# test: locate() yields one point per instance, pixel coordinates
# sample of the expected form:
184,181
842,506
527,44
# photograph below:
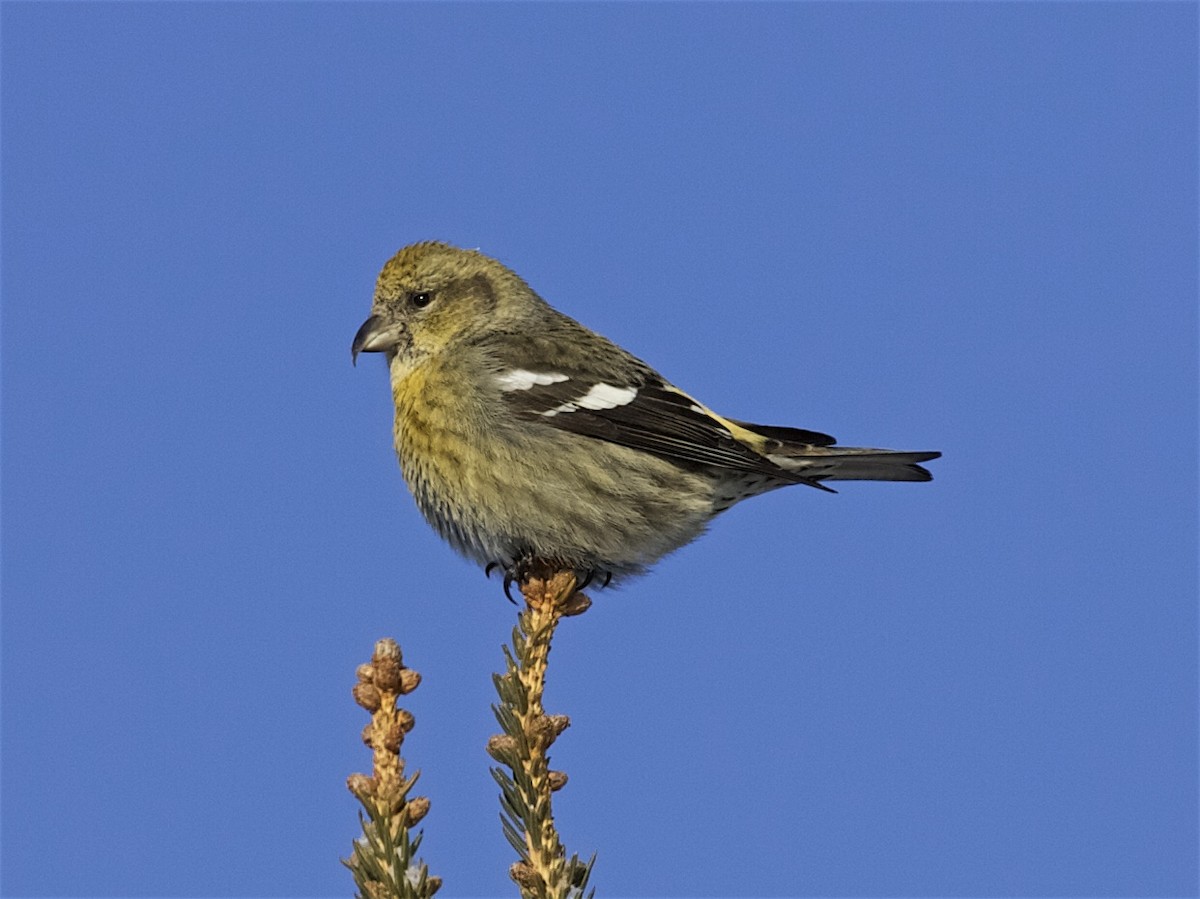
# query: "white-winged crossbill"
525,436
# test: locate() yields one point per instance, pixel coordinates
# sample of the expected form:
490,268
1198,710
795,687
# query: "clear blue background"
965,227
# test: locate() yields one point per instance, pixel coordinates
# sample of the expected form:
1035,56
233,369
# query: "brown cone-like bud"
368,735
361,786
546,728
524,876
546,587
365,673
409,681
387,648
555,724
415,809
368,696
394,736
577,604
502,748
434,884
387,675
556,779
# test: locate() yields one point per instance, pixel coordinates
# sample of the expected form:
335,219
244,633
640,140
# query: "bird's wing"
641,411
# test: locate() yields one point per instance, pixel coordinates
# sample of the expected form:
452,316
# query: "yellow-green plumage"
523,434
473,477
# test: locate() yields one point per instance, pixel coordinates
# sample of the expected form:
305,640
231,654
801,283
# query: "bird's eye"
421,299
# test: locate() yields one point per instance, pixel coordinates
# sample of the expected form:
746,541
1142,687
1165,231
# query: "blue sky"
965,227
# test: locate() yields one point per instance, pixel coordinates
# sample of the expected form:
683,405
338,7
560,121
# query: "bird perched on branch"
526,437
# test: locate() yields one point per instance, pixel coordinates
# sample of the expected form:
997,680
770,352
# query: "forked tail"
853,463
815,456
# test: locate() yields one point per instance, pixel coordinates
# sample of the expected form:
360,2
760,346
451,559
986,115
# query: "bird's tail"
814,455
854,463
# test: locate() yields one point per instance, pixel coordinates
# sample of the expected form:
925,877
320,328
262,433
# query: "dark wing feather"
659,420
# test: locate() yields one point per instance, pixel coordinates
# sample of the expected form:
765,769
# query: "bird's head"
430,296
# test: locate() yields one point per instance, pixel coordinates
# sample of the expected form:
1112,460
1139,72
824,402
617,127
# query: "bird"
528,439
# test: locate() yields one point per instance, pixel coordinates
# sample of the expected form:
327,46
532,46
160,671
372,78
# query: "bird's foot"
528,567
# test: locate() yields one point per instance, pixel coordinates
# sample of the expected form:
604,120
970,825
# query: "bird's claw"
508,578
517,573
